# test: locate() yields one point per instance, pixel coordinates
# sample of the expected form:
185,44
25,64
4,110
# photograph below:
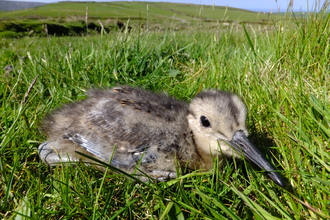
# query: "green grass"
282,75
138,10
69,18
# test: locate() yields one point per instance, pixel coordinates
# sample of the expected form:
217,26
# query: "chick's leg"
50,152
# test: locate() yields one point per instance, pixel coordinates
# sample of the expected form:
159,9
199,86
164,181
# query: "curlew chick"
132,128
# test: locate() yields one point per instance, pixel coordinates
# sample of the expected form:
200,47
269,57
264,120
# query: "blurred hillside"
17,5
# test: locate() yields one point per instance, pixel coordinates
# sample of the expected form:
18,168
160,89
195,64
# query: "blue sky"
257,5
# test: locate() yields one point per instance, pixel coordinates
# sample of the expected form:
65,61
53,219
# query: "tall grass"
282,75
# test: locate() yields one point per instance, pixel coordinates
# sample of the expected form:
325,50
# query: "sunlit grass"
282,76
139,10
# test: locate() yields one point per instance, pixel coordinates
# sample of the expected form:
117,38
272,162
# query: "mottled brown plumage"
129,127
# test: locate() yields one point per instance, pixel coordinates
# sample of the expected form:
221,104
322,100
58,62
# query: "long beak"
243,146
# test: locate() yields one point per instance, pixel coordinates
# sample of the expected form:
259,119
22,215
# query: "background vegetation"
282,74
69,18
137,10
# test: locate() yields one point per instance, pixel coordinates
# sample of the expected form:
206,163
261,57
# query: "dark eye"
205,122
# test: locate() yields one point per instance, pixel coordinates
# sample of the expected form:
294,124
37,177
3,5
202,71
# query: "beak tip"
241,144
277,178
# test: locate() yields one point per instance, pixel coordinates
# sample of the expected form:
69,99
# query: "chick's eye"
205,122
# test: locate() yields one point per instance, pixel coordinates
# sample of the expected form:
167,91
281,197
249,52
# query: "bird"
142,132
